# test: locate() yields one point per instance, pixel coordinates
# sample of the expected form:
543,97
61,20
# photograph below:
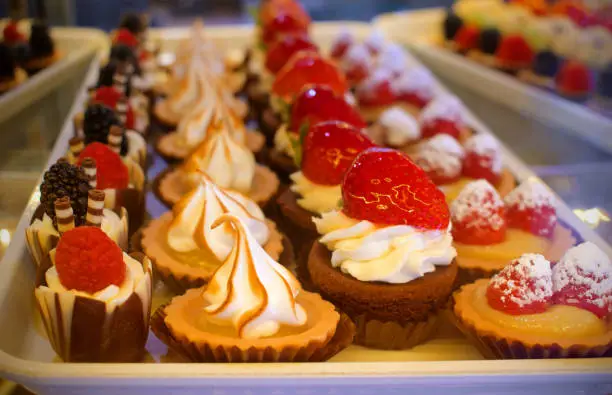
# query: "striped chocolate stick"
89,166
64,214
115,136
95,208
122,109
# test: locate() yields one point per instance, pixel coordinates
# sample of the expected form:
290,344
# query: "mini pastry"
357,63
565,36
393,57
395,128
488,232
328,150
386,258
595,47
131,117
414,89
467,38
529,310
281,24
42,52
11,76
341,44
513,54
444,115
185,248
11,35
135,24
539,34
70,182
278,322
375,42
375,95
227,162
543,70
451,26
95,301
279,53
514,19
574,81
488,41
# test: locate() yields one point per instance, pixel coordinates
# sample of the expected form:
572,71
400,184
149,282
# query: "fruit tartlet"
574,81
95,300
227,162
375,94
386,258
543,70
84,204
11,75
513,54
535,309
466,39
489,231
328,150
133,113
184,246
452,166
42,52
276,322
444,115
413,88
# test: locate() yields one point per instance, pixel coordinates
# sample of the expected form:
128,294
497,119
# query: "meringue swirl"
250,291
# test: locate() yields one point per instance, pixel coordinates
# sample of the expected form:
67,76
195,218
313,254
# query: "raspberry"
443,115
125,37
384,186
515,51
483,158
574,77
522,287
441,158
11,33
88,260
357,63
341,45
112,173
440,126
467,37
376,89
531,207
478,215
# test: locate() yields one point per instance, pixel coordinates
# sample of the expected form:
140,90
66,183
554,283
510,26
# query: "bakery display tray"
445,364
421,31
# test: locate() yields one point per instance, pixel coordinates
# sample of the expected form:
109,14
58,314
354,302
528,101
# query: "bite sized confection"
134,23
282,23
565,35
483,158
395,128
394,58
443,115
95,300
604,83
574,80
452,24
546,64
269,9
532,208
375,42
467,38
514,53
441,157
341,44
595,46
125,37
514,19
375,90
97,123
414,88
489,40
279,323
357,63
124,57
279,53
113,99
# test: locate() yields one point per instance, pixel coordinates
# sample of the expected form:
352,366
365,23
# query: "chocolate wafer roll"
122,108
89,165
64,214
120,81
95,208
115,136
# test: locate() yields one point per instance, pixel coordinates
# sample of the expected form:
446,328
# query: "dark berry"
96,125
452,24
546,63
41,43
121,53
604,85
64,179
7,63
133,22
489,40
106,77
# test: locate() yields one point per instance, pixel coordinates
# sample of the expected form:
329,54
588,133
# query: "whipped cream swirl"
315,197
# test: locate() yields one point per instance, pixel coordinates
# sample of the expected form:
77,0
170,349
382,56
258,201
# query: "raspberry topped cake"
535,309
386,257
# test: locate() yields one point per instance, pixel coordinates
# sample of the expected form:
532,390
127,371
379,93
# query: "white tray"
444,365
420,30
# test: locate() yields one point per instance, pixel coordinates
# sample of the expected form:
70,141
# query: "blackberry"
7,63
41,44
64,179
452,24
546,63
489,40
96,125
106,77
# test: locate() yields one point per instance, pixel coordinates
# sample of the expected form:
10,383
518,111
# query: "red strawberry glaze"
478,215
531,207
110,97
125,37
88,260
514,52
308,68
329,149
522,287
574,78
282,24
318,103
376,90
281,51
467,37
384,186
111,173
583,278
11,33
483,158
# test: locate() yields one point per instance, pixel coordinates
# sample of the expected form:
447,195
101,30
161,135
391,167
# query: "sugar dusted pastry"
444,115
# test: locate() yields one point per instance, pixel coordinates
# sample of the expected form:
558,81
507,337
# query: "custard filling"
515,244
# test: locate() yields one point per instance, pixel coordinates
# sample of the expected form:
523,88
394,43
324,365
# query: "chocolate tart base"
494,346
388,316
305,351
269,122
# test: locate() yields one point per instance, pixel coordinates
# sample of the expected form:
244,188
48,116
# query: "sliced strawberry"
282,24
357,63
384,186
483,158
341,44
308,68
583,278
441,158
281,51
531,207
329,149
522,287
318,103
467,37
11,33
376,90
478,215
574,78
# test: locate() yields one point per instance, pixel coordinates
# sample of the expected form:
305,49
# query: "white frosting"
565,36
191,229
112,295
391,254
368,87
393,57
375,41
480,203
445,107
345,37
400,126
595,46
314,197
530,194
357,55
283,142
250,290
137,146
189,90
485,145
441,154
415,80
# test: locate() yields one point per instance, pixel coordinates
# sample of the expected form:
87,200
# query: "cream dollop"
191,228
444,107
401,127
415,80
392,254
283,142
250,290
227,162
315,197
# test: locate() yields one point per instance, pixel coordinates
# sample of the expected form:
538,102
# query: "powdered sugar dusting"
445,107
416,80
401,126
345,37
356,55
586,265
375,41
393,57
368,86
531,194
485,145
480,203
536,286
441,154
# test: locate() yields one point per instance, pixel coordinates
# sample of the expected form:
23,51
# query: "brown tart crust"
471,269
388,316
326,333
170,186
496,342
282,164
174,265
20,77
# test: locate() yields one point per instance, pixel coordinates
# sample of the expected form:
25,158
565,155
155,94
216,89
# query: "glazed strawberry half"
318,103
11,34
531,207
110,97
478,215
483,158
384,186
522,287
514,52
376,90
467,38
583,278
329,149
307,68
271,8
441,157
280,52
111,172
283,23
574,78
